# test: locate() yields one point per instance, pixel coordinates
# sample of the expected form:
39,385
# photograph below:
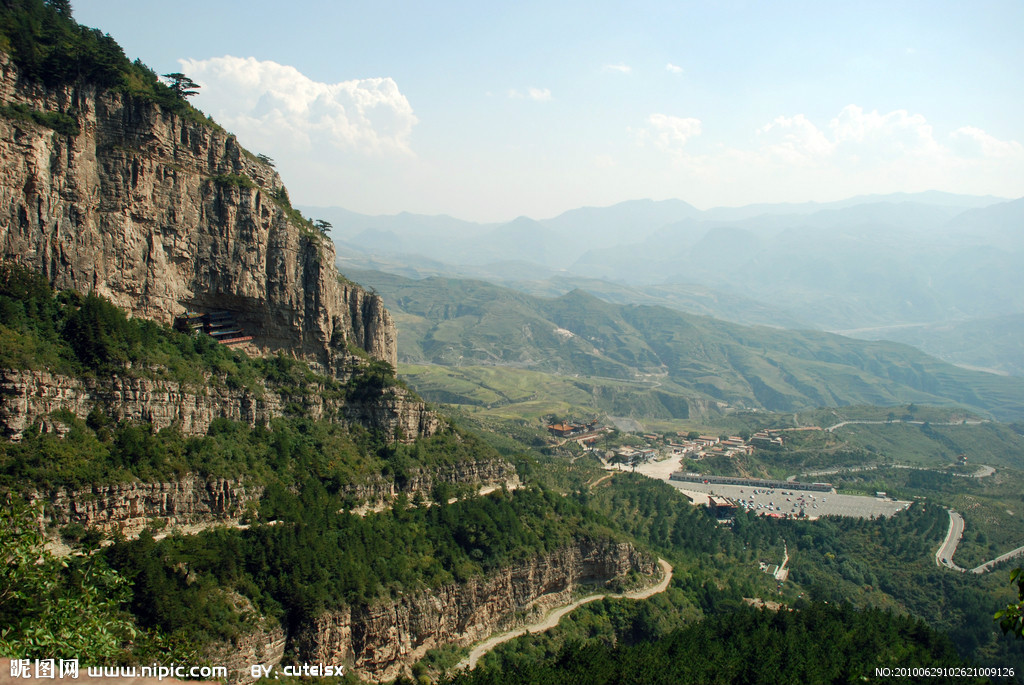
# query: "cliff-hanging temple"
220,325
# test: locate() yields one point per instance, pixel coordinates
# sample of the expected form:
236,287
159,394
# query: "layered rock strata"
193,501
29,397
129,507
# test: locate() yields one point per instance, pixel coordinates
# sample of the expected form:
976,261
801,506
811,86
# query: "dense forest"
314,559
822,643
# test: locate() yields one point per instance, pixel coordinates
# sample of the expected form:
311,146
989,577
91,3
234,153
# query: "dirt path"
552,618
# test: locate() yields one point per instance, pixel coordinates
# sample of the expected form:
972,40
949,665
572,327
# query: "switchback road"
552,618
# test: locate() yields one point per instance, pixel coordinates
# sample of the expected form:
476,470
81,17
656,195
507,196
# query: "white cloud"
853,135
795,140
675,69
668,132
794,158
972,142
891,135
264,101
538,94
618,68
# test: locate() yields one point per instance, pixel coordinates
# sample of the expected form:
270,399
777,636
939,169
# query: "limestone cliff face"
381,640
162,214
28,397
194,501
129,507
378,492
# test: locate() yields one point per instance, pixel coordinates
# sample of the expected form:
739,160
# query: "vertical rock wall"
162,214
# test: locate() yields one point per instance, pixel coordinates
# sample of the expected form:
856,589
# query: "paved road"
552,618
783,573
982,472
987,566
970,422
944,554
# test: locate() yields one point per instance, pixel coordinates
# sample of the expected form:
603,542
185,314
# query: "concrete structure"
752,482
721,507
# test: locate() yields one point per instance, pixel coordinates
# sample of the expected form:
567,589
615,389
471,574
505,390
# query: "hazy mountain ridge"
928,259
993,344
460,322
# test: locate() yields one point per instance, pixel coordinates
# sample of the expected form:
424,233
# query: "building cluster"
766,439
710,445
680,446
634,455
585,433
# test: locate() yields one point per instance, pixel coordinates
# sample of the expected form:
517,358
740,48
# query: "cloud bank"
858,151
256,99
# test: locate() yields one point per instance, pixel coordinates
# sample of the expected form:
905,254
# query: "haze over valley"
934,270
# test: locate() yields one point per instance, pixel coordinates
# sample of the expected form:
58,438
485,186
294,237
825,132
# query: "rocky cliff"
163,214
129,507
29,397
382,640
192,501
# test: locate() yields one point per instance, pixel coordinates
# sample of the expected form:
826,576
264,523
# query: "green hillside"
459,323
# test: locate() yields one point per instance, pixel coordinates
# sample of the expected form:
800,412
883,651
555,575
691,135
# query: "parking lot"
791,502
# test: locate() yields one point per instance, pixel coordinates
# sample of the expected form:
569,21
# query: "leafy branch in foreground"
57,608
1011,619
70,607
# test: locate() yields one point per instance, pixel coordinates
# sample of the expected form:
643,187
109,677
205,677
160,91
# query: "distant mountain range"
682,357
876,266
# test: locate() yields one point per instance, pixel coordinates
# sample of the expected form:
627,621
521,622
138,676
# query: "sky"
487,111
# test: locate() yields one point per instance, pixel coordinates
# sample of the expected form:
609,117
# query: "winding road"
552,618
982,472
966,422
944,554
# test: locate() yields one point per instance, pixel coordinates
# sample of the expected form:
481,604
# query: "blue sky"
488,111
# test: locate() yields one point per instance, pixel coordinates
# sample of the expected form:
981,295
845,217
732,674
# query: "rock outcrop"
129,507
192,501
163,214
381,640
463,476
28,397
263,644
